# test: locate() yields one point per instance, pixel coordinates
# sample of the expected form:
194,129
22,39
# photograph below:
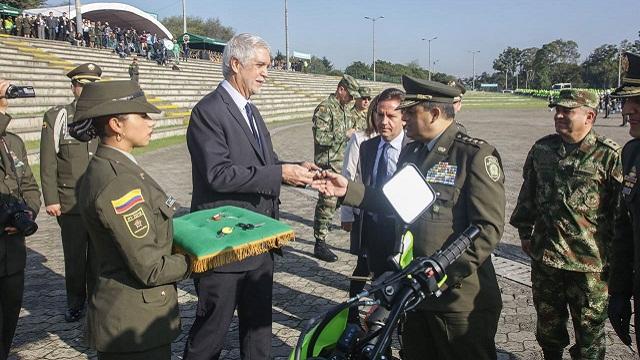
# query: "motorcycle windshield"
328,338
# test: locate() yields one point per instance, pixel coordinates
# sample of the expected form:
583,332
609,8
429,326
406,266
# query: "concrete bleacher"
286,96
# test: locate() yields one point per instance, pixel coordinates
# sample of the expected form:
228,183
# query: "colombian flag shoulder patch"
128,201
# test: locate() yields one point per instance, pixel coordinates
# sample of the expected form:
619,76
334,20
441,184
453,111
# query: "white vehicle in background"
560,86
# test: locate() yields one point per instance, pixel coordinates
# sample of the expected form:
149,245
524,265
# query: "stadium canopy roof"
116,14
201,42
9,10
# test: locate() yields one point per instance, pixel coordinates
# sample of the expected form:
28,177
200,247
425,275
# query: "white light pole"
473,79
429,53
184,16
619,64
78,17
286,33
373,22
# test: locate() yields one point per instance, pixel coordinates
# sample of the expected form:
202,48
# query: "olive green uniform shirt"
63,159
129,218
466,174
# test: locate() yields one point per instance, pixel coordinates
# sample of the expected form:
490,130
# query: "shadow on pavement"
44,301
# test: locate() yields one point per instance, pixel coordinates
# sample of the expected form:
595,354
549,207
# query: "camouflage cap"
419,90
85,73
630,64
351,84
365,92
573,98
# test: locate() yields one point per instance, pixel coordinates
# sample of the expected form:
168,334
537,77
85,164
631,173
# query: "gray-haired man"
246,173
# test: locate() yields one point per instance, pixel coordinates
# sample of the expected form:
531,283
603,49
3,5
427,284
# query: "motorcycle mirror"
409,193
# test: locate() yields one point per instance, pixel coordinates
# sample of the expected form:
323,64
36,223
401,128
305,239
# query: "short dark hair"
445,108
100,123
391,94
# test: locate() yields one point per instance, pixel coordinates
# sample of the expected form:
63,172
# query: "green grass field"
487,100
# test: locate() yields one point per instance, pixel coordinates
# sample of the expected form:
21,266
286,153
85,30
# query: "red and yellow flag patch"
128,201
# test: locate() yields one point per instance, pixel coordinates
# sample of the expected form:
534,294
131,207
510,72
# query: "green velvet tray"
200,235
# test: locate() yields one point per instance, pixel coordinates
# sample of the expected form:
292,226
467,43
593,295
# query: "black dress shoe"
322,252
73,315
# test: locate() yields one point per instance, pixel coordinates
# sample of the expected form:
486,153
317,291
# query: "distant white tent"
301,55
117,14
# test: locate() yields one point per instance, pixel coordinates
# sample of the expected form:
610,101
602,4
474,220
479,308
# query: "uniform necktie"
252,123
381,172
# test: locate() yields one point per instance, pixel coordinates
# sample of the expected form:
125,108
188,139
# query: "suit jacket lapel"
235,112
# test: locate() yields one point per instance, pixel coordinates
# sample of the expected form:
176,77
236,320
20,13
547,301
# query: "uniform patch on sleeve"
492,166
137,223
128,201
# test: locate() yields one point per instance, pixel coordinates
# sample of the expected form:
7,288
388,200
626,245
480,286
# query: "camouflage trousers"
323,217
325,207
585,294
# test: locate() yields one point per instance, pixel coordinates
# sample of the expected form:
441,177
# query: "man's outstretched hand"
330,184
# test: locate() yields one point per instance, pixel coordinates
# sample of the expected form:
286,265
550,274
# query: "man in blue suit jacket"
233,163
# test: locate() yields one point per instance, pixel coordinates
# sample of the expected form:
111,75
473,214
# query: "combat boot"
322,252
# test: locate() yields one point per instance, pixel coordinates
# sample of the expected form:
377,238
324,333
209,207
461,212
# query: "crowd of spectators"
97,34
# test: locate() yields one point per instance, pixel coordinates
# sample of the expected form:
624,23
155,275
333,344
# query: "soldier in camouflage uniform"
565,218
63,160
360,107
332,128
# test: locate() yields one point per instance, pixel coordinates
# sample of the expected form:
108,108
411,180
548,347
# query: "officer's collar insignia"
442,173
492,167
442,149
142,176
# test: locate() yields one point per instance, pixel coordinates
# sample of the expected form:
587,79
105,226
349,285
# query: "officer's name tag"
442,173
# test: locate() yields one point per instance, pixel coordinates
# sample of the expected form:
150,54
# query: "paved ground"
304,287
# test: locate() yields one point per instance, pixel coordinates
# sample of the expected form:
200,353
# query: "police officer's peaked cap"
630,64
351,84
419,90
573,98
112,98
85,73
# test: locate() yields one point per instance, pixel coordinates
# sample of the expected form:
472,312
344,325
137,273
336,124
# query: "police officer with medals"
624,280
466,174
133,311
63,161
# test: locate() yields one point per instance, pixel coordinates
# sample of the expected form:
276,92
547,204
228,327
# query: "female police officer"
133,313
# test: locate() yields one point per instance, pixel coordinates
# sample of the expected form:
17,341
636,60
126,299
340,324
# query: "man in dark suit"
379,159
243,172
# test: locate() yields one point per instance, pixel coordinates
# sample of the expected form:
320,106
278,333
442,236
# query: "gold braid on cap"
423,97
630,80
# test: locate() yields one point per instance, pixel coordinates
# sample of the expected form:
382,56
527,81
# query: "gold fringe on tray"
241,252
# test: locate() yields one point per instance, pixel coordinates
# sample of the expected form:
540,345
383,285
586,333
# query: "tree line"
558,62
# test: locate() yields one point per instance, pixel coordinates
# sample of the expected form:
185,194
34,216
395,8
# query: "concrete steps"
286,96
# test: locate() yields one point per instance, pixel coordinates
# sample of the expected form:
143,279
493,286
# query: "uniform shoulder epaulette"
550,137
464,138
10,135
609,143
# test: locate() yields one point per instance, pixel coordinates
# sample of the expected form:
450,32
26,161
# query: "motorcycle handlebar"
452,252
